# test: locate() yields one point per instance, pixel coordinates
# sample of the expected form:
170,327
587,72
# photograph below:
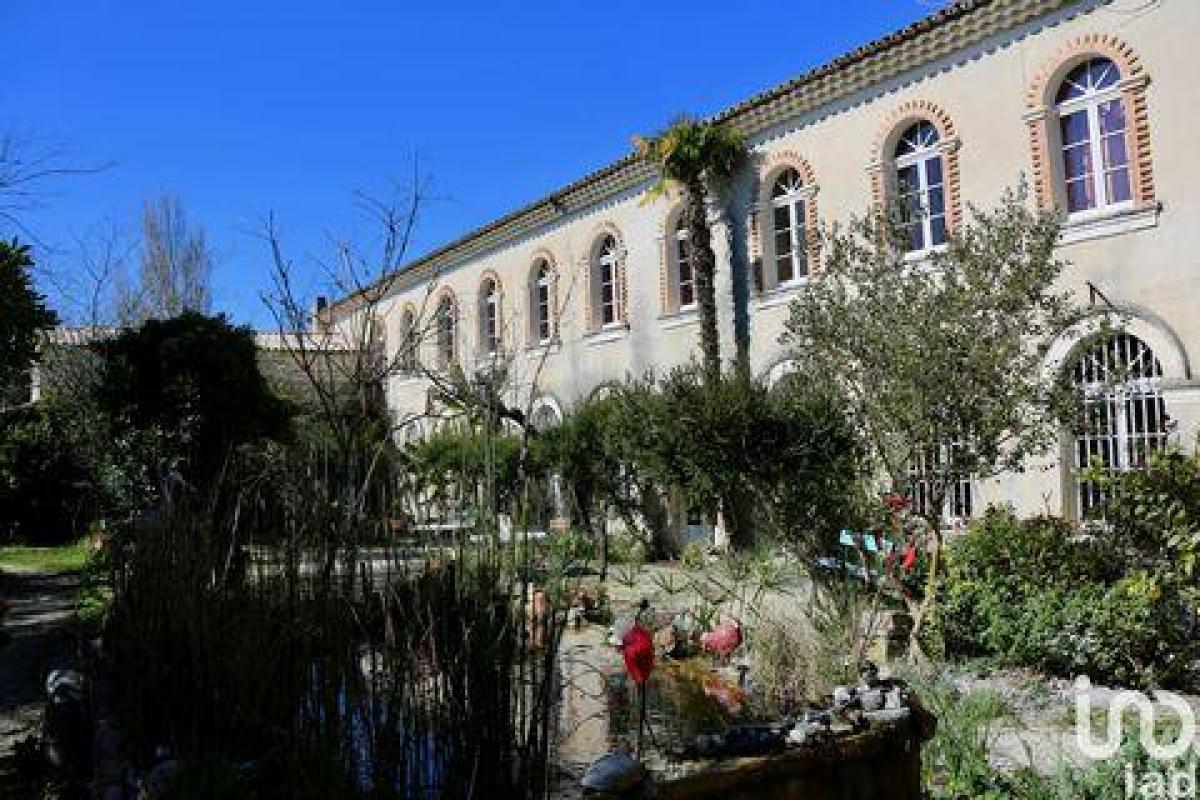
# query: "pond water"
684,700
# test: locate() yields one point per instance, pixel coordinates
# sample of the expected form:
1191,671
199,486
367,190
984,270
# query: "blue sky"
246,107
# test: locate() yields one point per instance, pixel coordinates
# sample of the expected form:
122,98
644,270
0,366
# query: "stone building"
1090,101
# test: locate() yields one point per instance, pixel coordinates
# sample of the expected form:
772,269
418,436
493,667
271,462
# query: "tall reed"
272,625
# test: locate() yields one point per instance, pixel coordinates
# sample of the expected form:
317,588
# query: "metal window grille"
1124,417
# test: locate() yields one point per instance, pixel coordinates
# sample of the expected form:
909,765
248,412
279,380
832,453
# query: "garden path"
35,637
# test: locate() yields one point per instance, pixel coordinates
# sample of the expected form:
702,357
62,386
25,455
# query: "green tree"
194,382
23,315
941,360
580,450
784,459
701,157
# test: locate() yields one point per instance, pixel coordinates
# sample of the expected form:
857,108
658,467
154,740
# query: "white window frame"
607,261
543,322
795,202
1090,104
958,506
447,333
684,256
489,307
920,158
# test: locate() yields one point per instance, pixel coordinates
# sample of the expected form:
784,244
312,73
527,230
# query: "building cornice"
948,31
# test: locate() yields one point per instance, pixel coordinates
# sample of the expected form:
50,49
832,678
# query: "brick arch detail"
591,307
764,178
948,144
1040,114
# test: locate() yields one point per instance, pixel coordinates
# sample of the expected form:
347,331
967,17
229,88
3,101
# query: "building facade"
1091,102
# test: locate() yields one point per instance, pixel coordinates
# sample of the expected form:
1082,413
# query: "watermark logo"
1170,780
1122,702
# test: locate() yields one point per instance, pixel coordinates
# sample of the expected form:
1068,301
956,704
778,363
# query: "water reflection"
685,700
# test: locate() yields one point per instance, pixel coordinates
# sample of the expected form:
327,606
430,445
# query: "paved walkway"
36,637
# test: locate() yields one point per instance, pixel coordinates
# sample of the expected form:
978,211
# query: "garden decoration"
723,639
637,651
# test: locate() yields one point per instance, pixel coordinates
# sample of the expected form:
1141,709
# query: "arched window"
408,341
446,326
541,288
546,414
1124,417
606,300
1089,131
787,225
1091,116
685,276
489,317
920,191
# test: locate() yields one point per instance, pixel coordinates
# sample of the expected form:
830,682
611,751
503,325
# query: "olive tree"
941,358
784,460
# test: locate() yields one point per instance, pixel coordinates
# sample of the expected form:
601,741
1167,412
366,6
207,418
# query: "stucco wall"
1146,265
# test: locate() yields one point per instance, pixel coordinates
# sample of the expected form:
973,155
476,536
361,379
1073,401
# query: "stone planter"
883,763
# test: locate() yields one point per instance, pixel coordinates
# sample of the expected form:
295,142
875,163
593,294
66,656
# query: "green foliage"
1154,513
627,550
569,550
956,761
1031,593
195,380
582,452
691,150
46,481
23,314
465,466
701,157
946,350
791,451
62,558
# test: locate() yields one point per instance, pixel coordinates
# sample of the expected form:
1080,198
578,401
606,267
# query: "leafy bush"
45,482
1154,513
1033,593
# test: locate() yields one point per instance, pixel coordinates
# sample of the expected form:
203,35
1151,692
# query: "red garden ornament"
637,650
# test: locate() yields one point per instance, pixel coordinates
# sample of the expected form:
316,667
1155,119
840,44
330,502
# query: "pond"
686,701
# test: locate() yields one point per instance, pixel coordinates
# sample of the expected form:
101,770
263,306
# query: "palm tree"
701,157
